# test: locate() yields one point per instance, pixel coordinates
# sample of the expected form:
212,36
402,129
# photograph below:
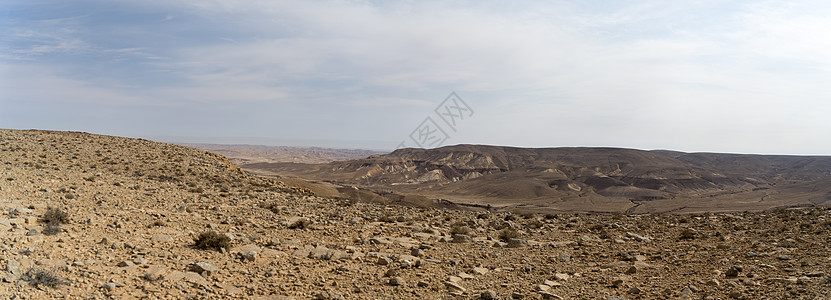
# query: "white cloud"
648,74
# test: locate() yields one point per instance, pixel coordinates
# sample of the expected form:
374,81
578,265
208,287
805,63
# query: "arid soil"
87,216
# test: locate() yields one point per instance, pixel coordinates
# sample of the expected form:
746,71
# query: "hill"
583,179
90,216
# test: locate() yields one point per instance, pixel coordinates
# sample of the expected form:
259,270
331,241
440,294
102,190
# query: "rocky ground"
90,216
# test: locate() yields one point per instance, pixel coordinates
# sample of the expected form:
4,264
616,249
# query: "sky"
708,75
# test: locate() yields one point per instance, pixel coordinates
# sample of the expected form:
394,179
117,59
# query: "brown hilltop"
125,212
583,179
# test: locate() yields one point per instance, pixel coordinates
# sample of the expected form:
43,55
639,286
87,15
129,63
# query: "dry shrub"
54,215
37,277
687,234
458,228
212,240
507,234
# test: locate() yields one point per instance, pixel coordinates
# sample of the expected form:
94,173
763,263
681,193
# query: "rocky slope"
584,179
94,217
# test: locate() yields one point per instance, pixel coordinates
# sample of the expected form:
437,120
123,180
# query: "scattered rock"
454,287
396,281
109,286
126,263
462,238
488,295
480,271
562,276
637,237
249,255
204,268
733,271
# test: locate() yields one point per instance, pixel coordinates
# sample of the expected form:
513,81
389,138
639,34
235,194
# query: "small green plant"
212,240
507,234
37,277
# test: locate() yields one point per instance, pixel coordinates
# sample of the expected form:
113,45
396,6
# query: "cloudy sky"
726,76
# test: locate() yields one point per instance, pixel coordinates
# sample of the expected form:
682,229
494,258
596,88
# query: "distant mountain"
245,154
583,179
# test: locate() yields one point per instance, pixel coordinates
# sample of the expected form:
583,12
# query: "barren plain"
87,216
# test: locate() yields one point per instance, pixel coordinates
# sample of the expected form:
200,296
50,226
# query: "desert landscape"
88,216
558,180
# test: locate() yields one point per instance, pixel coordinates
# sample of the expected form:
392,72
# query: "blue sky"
726,76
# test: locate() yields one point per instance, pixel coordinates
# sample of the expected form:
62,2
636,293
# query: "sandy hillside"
86,216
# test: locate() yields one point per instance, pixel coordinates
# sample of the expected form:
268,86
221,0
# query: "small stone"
479,271
617,282
109,286
632,270
517,295
488,295
392,272
815,274
551,283
462,238
33,232
19,211
125,263
562,276
465,276
203,268
140,261
733,271
383,261
161,238
517,243
297,222
713,282
564,257
320,252
396,281
550,296
422,284
637,237
417,252
454,287
543,288
249,255
154,274
735,295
